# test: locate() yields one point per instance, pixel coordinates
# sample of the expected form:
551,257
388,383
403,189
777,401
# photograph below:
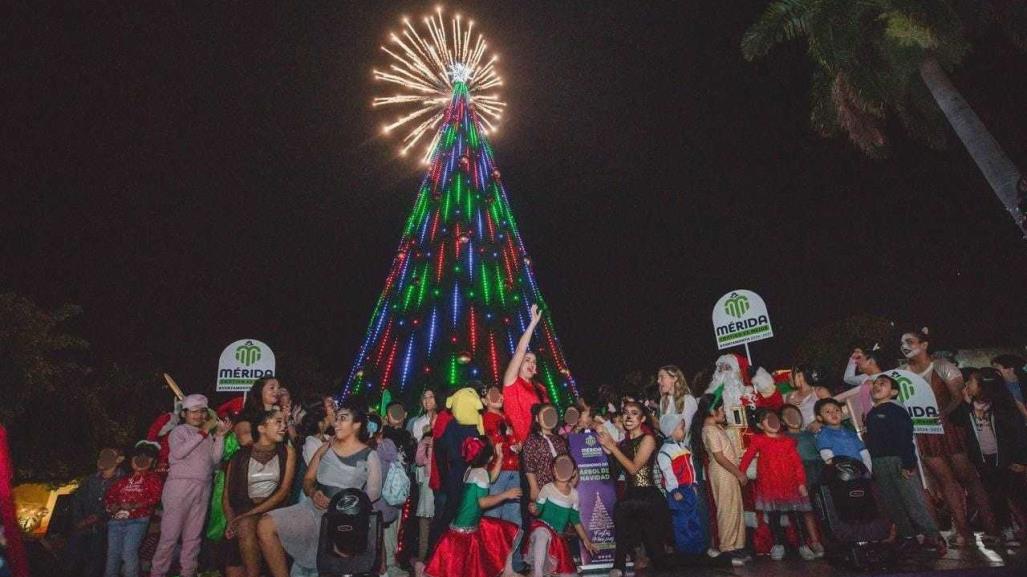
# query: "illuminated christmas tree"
457,295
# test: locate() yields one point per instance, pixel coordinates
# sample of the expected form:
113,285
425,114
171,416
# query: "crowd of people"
480,481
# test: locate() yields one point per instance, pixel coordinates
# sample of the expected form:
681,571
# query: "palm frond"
782,21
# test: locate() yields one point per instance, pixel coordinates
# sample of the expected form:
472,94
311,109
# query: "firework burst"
425,66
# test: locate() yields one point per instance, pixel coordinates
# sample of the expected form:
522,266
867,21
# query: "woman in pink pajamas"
194,454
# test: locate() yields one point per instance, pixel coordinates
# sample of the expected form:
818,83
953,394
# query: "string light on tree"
457,295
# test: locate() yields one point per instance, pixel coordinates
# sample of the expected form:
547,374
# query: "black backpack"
350,541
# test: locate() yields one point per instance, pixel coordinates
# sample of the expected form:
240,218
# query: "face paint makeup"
571,415
548,418
910,347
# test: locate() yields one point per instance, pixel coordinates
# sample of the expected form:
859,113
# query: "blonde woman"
675,396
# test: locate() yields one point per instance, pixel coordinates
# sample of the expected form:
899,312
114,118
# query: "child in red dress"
780,480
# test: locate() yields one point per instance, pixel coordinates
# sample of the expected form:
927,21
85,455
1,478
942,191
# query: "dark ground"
977,561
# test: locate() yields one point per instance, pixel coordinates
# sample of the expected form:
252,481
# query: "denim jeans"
123,540
508,510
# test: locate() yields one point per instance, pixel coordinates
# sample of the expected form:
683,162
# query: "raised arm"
522,347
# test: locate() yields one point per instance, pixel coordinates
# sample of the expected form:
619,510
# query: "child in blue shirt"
834,440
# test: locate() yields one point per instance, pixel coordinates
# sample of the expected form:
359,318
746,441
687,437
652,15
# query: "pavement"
975,561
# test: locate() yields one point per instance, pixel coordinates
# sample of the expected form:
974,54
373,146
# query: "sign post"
917,396
739,318
242,363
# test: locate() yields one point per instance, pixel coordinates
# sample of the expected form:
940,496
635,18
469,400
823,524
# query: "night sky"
194,177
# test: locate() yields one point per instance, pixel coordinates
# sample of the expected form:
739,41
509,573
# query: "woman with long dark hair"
998,446
711,445
258,480
262,397
641,516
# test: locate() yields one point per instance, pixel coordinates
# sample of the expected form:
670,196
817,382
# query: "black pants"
440,522
640,517
998,484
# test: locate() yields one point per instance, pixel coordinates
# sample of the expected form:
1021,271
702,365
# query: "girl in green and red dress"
476,546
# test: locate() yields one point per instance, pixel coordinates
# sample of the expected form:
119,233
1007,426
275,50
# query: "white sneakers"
777,552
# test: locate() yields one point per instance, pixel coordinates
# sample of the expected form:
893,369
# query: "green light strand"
485,285
424,285
499,286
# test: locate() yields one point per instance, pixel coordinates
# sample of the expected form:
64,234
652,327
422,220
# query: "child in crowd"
195,449
834,440
997,445
557,505
388,454
84,553
130,502
889,437
679,482
780,480
500,433
712,445
812,465
476,546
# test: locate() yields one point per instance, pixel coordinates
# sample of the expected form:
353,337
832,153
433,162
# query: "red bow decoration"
470,448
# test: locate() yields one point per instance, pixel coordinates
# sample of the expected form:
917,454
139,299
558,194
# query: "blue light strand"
432,328
406,363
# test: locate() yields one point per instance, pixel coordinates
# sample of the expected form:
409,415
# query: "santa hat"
229,409
737,361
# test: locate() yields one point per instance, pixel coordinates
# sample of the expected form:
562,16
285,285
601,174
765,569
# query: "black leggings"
794,519
640,517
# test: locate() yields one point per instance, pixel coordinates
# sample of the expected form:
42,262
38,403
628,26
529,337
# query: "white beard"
734,388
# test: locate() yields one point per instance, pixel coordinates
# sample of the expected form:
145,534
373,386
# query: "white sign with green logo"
917,396
740,317
243,362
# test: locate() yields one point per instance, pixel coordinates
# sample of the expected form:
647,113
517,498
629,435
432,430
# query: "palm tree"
873,58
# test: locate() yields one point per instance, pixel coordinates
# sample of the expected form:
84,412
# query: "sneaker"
806,553
738,557
711,552
777,552
957,541
1009,538
818,550
990,540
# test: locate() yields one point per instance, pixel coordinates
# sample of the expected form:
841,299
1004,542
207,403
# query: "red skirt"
474,552
559,560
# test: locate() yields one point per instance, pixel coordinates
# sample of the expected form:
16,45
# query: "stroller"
350,540
856,532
